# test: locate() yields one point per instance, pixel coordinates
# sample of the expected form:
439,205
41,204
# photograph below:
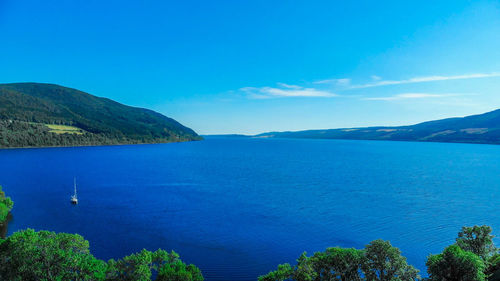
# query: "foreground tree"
455,264
30,255
493,270
141,266
283,272
179,271
6,205
138,266
338,264
44,255
385,263
378,261
333,264
478,240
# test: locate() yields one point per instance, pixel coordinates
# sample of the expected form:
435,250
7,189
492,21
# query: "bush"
455,264
6,205
378,261
44,255
478,240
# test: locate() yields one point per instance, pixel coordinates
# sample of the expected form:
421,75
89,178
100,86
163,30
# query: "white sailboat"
74,198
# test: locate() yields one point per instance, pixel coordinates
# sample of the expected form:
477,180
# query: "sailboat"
74,199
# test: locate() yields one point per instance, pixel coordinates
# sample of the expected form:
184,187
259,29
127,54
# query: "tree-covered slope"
483,128
27,108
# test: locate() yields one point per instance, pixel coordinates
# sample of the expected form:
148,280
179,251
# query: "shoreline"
92,145
347,139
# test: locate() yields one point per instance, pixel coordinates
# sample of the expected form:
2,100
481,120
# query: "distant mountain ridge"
481,128
30,114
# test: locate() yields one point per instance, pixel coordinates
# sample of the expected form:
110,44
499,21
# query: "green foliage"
478,240
304,270
384,262
179,271
140,267
338,264
47,256
455,264
6,205
283,272
44,255
493,270
378,261
25,108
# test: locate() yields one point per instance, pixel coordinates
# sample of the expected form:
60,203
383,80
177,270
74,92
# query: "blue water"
238,207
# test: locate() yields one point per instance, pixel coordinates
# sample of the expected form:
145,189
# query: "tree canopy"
44,255
385,263
140,267
455,264
6,205
378,261
478,240
473,257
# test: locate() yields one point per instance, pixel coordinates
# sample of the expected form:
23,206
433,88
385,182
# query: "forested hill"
35,114
482,128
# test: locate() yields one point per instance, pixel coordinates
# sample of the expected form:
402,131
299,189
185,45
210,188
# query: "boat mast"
75,185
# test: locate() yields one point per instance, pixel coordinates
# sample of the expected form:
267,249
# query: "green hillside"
482,128
35,114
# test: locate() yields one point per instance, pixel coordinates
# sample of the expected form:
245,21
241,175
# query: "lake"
238,207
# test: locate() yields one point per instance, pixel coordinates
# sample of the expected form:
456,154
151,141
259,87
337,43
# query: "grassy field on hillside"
64,129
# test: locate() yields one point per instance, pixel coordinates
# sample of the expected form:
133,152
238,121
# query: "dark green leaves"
472,258
179,271
140,267
283,272
338,264
378,261
44,255
455,264
478,240
30,255
384,262
6,205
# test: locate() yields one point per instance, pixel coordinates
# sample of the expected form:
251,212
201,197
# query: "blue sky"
256,66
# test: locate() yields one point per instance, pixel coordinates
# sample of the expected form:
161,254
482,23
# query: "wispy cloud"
323,88
407,96
288,86
426,79
285,90
338,82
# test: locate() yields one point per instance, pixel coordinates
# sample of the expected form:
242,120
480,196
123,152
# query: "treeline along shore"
45,255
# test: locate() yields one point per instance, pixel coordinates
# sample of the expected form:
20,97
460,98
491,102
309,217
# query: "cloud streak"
409,96
426,79
339,82
285,90
323,88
